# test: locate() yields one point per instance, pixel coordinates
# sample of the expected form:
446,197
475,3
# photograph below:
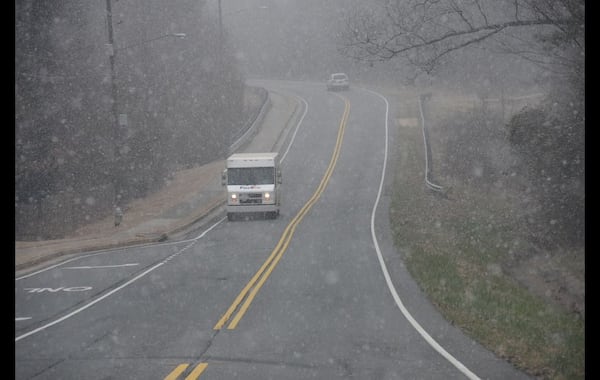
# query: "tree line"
549,138
177,103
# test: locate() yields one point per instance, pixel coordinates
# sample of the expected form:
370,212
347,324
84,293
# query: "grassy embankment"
456,247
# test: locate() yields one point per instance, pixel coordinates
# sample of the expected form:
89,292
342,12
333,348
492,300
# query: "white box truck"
252,181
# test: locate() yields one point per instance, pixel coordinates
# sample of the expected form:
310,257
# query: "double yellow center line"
256,282
182,367
251,289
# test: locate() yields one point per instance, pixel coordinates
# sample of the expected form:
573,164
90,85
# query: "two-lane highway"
307,295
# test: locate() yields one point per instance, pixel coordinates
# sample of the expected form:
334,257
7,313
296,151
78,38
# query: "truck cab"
252,183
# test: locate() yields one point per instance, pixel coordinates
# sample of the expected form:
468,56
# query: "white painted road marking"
104,266
95,301
435,345
62,288
17,319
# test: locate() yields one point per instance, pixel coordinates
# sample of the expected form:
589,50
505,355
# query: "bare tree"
179,111
548,32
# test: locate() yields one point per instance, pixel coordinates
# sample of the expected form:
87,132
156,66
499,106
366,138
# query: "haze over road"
324,309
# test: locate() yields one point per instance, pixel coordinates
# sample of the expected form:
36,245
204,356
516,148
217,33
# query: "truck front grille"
251,198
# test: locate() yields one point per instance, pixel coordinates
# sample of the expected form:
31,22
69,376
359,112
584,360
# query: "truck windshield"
251,176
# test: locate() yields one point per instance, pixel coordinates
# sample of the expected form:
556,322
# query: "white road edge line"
461,367
41,328
297,127
154,267
96,253
104,266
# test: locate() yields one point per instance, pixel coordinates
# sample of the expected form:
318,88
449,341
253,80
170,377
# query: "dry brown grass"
469,252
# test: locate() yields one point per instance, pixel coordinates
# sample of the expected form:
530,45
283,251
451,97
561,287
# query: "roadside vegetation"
179,101
501,252
484,250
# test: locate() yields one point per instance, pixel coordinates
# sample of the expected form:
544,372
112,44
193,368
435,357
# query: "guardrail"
428,168
250,128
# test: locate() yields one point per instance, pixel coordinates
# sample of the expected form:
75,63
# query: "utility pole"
116,135
120,120
220,26
220,62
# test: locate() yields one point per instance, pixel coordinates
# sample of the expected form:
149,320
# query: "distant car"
338,81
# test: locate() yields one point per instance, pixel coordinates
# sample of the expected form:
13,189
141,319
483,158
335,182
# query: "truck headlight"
267,196
233,198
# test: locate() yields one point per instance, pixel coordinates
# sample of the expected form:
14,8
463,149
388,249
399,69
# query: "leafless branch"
485,19
461,14
435,28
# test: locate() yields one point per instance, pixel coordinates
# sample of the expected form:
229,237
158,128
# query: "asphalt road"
333,300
